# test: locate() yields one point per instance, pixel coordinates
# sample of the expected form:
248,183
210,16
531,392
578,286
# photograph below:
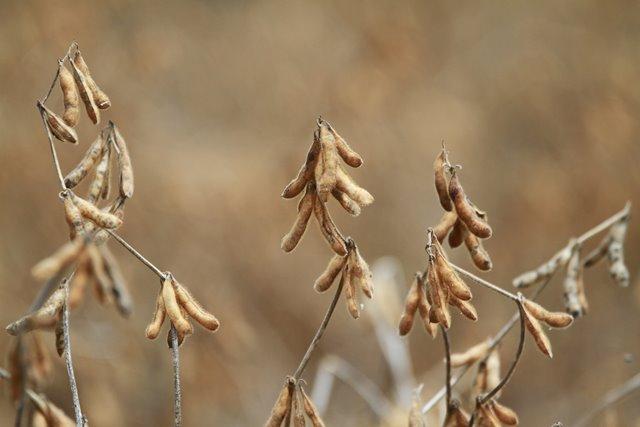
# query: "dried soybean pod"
305,174
305,208
449,278
572,286
535,329
445,225
99,97
410,306
466,211
172,307
493,370
153,329
96,215
478,254
119,288
328,228
116,208
106,182
98,271
458,234
349,156
465,307
441,181
297,409
87,162
41,365
63,257
101,175
328,276
79,284
311,410
347,185
73,217
487,418
85,93
282,405
193,308
553,319
424,308
361,273
60,341
45,317
57,126
615,252
438,296
350,293
346,202
70,97
505,414
472,355
124,162
460,416
328,163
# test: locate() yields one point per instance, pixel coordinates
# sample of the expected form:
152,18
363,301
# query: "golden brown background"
538,100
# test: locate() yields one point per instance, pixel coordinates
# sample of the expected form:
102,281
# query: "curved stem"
319,332
447,352
68,360
177,391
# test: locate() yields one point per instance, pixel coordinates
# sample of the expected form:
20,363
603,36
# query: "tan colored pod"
487,418
311,410
60,341
74,218
193,308
87,162
424,307
173,310
545,270
441,181
347,185
297,409
101,177
124,162
328,228
505,414
328,276
58,127
305,174
62,258
282,405
493,370
98,271
449,278
466,211
305,208
41,365
346,202
153,329
615,253
465,307
79,283
350,293
472,355
361,274
85,93
553,319
349,156
119,289
572,285
96,215
70,97
458,234
538,334
439,298
478,254
99,97
445,225
456,417
411,303
43,318
327,166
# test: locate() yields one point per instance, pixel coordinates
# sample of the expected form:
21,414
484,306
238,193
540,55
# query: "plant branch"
610,398
447,358
319,333
138,255
77,410
177,392
484,283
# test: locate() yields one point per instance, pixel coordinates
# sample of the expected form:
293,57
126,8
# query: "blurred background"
218,100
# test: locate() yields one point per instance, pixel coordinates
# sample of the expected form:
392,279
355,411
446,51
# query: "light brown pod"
87,162
297,409
328,228
305,174
545,270
96,215
411,303
346,202
124,162
328,276
465,307
327,166
282,405
74,218
456,417
505,414
40,362
493,370
539,336
57,126
424,307
311,410
45,317
349,156
101,176
615,253
441,181
172,307
487,418
79,283
445,225
119,289
99,97
63,257
350,293
70,97
449,278
305,208
153,329
85,93
60,341
572,285
439,298
98,271
361,274
478,254
472,355
458,234
466,211
553,319
347,185
193,308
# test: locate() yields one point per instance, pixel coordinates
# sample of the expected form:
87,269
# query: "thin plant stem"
137,254
611,398
319,333
77,410
177,391
447,358
484,283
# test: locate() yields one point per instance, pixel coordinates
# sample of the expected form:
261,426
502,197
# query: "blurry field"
539,102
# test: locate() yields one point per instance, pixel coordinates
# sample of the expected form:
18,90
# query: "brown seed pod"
346,202
328,276
493,370
458,234
193,308
472,355
99,97
349,156
465,307
535,329
545,271
101,177
305,208
350,292
61,343
505,414
297,409
328,228
553,319
62,258
98,272
480,380
305,174
311,410
449,278
79,283
347,185
441,181
445,225
45,317
96,215
153,329
40,366
466,211
327,166
74,218
456,416
124,162
87,162
411,303
487,418
119,289
85,93
69,97
615,253
572,285
282,405
361,274
424,307
439,296
172,307
478,254
57,126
